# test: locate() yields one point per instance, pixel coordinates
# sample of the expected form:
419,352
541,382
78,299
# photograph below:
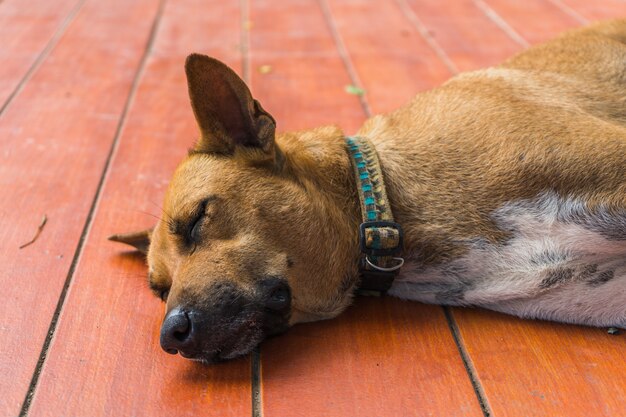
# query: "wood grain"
55,139
25,33
105,359
382,357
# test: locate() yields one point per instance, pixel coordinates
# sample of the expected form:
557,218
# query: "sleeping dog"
504,188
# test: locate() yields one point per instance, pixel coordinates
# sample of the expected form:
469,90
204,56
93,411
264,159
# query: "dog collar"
380,237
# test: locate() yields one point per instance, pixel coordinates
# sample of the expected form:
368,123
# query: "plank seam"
501,23
88,222
569,11
410,14
467,362
54,40
257,393
343,53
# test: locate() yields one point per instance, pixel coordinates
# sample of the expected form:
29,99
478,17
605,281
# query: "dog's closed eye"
160,290
189,228
163,294
196,225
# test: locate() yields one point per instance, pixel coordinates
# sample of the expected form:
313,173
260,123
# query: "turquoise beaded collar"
380,237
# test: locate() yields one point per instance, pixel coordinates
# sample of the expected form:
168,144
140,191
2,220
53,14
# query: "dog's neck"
380,238
318,157
320,161
316,160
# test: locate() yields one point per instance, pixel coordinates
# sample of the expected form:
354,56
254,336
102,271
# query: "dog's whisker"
169,217
149,214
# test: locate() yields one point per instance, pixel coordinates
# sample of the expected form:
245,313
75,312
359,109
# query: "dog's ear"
139,240
227,114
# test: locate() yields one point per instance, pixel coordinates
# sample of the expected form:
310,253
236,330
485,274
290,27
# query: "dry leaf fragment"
353,89
44,220
265,69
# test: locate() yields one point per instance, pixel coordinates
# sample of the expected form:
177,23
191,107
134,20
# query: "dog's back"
516,195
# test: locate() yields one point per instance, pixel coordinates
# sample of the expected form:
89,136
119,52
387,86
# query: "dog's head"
258,232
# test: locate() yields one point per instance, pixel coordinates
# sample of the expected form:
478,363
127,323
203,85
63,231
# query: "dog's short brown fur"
488,147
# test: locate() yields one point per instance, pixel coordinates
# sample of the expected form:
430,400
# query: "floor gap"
467,362
501,23
344,55
257,401
569,11
423,31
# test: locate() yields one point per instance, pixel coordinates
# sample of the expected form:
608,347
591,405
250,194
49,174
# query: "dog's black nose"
277,305
277,295
176,332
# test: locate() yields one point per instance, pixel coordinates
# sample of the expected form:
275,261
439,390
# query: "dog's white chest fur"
563,262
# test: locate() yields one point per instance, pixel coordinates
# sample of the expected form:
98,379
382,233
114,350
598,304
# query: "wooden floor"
94,117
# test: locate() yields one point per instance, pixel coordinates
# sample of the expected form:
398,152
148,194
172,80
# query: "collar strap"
380,237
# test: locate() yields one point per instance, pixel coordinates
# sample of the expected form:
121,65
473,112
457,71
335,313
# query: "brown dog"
509,182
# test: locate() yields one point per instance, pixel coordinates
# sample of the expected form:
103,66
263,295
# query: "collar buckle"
377,238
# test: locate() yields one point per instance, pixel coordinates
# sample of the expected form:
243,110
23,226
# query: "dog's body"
510,184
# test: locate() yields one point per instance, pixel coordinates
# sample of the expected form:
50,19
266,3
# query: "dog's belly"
563,262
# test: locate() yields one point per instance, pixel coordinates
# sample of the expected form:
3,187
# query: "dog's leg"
598,301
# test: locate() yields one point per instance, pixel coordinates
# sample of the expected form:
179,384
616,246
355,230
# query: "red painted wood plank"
545,369
595,10
382,356
25,33
56,136
521,17
105,359
467,35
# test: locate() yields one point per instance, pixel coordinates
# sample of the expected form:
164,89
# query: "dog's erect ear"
227,114
139,240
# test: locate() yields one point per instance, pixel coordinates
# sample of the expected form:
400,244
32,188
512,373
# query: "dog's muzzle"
227,323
